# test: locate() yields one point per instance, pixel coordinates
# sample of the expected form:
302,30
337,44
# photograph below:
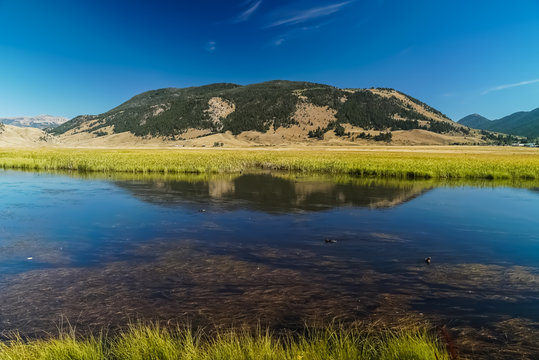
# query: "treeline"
259,107
333,125
387,136
369,111
500,139
169,112
340,131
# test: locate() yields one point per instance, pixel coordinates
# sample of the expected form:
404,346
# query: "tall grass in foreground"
145,342
495,164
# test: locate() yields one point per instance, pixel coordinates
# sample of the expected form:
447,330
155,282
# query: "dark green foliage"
522,123
339,130
387,136
475,121
318,133
405,125
532,140
500,139
364,135
383,137
260,106
465,131
420,103
72,124
170,112
181,116
443,127
325,96
370,111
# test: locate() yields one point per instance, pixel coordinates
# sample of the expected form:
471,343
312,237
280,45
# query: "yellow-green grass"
397,163
152,342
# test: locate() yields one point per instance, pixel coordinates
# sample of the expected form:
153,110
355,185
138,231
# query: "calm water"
238,250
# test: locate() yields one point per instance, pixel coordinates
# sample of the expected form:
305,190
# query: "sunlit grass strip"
141,342
388,164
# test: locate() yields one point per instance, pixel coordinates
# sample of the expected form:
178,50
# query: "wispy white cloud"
279,41
508,86
252,6
309,14
295,33
211,46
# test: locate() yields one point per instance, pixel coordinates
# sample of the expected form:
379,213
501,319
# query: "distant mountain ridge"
475,121
39,121
295,109
522,123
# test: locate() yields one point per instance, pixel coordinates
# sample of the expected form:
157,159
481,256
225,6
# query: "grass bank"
143,342
397,163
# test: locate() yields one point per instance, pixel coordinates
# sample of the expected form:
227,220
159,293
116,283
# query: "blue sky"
72,57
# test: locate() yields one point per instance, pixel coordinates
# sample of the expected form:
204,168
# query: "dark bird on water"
427,260
330,241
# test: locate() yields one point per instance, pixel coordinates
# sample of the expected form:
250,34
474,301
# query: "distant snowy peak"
40,121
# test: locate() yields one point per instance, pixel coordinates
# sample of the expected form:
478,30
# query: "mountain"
522,123
280,109
39,122
475,121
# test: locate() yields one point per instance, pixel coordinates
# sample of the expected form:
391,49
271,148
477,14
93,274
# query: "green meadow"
425,163
153,342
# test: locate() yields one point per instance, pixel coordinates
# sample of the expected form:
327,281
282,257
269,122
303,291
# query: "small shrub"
318,133
383,137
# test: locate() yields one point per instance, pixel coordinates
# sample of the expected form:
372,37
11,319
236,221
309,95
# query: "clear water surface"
232,250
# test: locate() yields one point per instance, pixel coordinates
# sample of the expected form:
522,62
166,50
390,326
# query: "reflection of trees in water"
273,193
220,188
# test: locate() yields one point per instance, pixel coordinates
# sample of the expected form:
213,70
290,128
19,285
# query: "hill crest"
292,111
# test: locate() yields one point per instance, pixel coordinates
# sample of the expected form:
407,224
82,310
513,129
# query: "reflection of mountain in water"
276,194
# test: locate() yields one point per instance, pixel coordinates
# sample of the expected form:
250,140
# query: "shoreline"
400,162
